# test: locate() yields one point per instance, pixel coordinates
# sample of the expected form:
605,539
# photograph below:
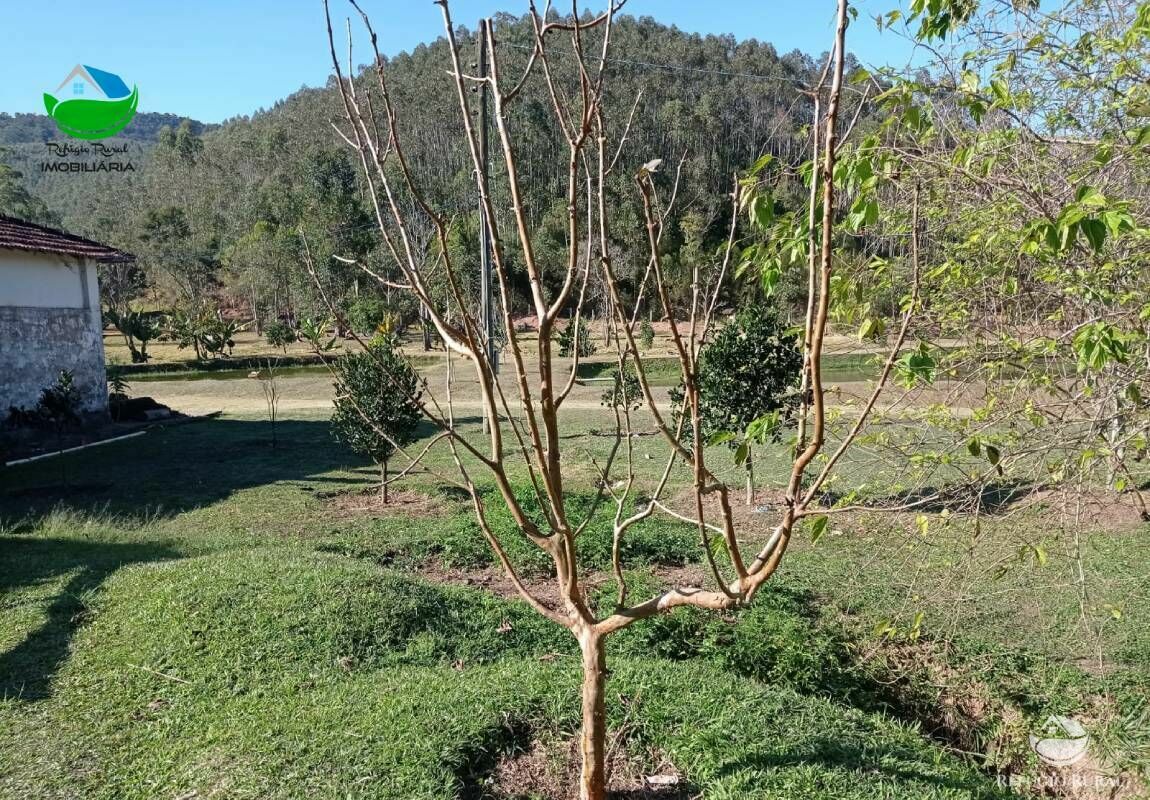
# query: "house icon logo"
1060,741
92,103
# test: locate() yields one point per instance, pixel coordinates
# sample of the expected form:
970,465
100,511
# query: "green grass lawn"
190,612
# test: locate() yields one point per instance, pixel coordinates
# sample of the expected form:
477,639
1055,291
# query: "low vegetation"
238,631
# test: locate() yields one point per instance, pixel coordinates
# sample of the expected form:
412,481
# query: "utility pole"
486,305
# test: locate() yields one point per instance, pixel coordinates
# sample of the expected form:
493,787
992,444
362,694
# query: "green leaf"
1095,232
916,367
741,454
1089,197
770,279
762,210
721,437
761,163
818,528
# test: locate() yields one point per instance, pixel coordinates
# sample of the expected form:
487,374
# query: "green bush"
137,328
625,390
57,409
376,402
370,315
280,334
204,329
646,334
749,370
566,339
367,314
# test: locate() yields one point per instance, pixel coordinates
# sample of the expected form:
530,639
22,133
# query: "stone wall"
37,343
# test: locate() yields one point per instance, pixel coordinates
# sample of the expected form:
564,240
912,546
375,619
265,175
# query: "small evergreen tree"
749,372
566,339
646,334
280,334
626,392
376,408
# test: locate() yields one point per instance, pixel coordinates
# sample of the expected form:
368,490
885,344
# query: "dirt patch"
1100,509
369,502
550,769
753,523
495,580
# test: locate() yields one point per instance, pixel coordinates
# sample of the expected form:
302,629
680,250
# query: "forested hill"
34,128
219,211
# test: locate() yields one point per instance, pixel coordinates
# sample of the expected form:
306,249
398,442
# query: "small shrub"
646,334
137,328
59,404
371,315
367,315
203,329
625,391
566,339
750,369
117,393
376,408
280,334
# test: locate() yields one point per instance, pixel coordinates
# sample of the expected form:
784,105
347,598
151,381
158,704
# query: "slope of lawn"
185,613
269,672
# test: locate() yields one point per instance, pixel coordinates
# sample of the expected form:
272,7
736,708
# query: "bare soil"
550,769
1094,509
369,502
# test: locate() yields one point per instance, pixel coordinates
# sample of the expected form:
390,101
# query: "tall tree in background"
169,246
17,201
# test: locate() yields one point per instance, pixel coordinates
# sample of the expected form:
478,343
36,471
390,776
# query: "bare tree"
526,415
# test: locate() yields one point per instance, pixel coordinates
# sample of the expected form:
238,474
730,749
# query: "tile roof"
16,234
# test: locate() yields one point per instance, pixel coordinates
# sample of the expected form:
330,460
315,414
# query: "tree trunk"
383,480
592,743
256,316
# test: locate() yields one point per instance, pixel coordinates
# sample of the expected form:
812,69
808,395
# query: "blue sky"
214,59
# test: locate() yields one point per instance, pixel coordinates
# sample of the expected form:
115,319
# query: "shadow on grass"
892,762
990,498
173,470
27,669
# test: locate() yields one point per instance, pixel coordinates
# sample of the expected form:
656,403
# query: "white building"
50,313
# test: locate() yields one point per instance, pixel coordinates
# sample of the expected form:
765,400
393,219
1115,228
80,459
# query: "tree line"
223,213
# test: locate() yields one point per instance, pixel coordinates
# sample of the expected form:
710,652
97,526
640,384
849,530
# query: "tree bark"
383,480
592,742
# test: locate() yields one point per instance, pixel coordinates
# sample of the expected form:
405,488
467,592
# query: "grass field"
197,614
